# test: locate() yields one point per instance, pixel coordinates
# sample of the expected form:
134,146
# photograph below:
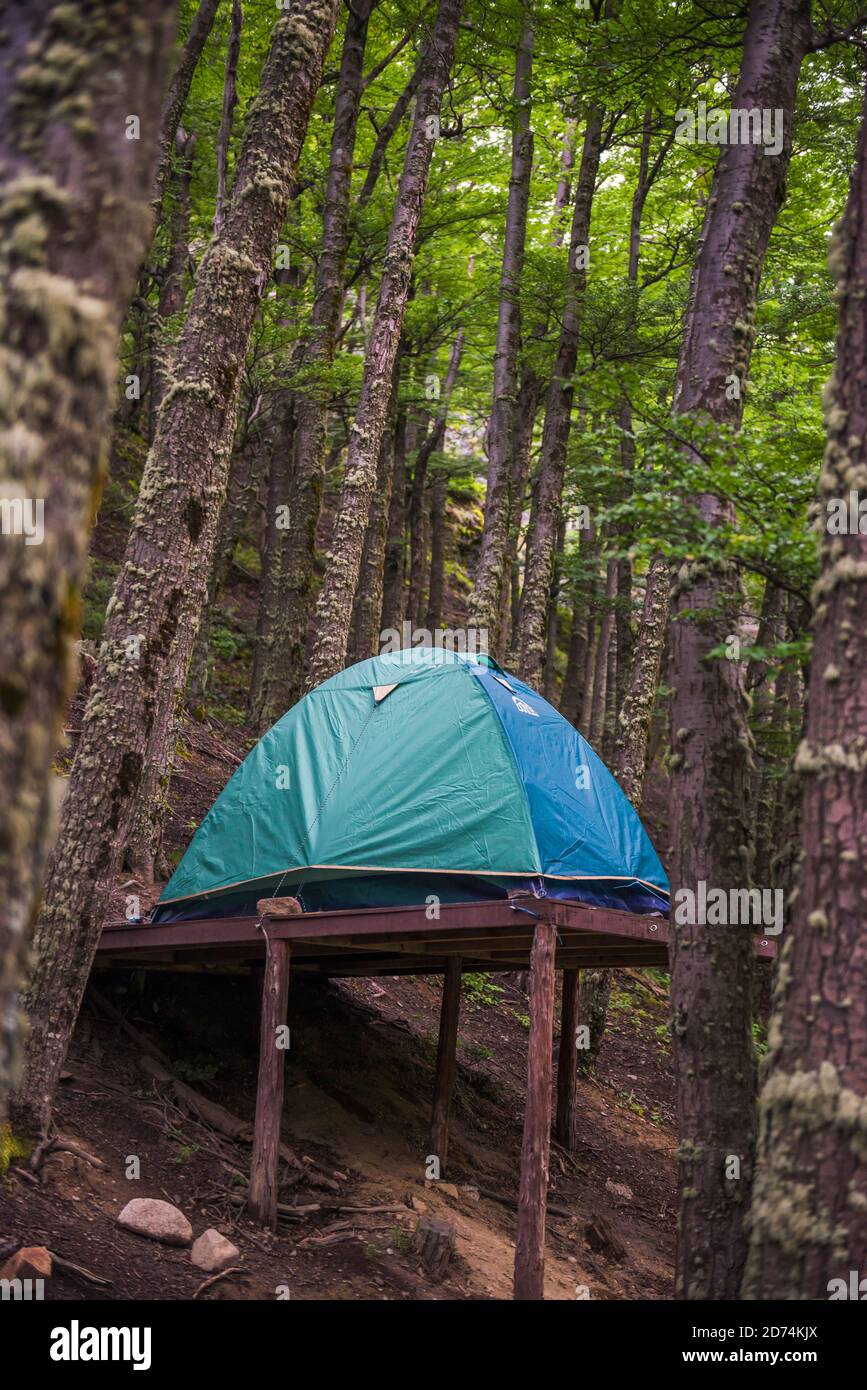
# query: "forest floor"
359,1080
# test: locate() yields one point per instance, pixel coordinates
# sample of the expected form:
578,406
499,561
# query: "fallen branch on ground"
215,1279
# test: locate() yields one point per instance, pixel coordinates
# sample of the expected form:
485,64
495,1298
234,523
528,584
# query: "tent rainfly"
422,772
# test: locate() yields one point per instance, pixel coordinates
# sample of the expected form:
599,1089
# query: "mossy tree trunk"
334,609
541,540
174,278
230,101
485,608
315,357
710,767
154,612
75,222
367,606
809,1213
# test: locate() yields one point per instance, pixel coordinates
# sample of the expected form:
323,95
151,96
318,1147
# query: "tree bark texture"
154,612
230,101
367,606
173,287
712,965
75,222
809,1213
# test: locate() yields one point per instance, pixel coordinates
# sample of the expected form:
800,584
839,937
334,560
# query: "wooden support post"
262,1197
536,1146
567,1062
447,1061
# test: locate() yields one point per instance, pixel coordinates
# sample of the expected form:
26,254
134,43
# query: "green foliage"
97,592
480,990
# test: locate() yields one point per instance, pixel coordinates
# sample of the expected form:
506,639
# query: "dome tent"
421,772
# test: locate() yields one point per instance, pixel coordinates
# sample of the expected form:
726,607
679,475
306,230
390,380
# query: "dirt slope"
359,1079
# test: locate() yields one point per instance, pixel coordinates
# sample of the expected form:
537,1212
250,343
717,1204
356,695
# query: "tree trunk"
712,966
395,545
155,608
265,693
230,101
809,1215
316,355
367,607
593,1012
636,712
173,288
334,610
243,486
552,623
74,224
176,96
596,725
558,411
387,131
767,686
418,517
530,393
576,658
438,532
418,531
485,603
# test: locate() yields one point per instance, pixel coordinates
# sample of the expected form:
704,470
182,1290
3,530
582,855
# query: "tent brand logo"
77,1343
524,707
22,1290
473,641
855,1288
22,516
740,126
714,907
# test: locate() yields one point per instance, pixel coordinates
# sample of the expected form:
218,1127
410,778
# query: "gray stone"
148,1216
212,1252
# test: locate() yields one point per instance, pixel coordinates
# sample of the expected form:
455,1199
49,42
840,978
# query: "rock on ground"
213,1252
31,1262
148,1216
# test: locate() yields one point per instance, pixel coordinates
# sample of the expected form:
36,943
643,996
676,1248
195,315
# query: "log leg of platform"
447,1061
535,1149
567,1062
262,1197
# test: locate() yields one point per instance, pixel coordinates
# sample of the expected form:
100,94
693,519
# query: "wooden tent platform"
541,935
489,936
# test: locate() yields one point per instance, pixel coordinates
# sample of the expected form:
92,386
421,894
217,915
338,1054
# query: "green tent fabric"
419,771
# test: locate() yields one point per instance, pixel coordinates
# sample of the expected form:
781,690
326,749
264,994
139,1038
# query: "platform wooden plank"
495,935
